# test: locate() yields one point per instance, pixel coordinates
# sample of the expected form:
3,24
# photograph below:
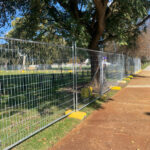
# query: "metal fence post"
75,76
123,66
101,72
140,65
74,83
45,89
135,64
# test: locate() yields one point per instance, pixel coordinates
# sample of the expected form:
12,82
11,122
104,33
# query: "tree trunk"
24,62
95,70
97,32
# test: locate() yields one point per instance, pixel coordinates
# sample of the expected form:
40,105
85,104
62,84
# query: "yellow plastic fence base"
131,77
76,115
117,88
138,72
104,96
68,112
122,82
127,79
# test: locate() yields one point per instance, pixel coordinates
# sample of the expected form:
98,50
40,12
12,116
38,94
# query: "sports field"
29,100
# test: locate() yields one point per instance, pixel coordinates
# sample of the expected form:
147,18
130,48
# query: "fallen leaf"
44,139
132,142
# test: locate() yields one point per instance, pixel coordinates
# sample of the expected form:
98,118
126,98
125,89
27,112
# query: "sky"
7,27
4,30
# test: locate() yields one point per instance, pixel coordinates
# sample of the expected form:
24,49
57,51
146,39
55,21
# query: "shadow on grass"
9,114
96,105
42,92
140,76
108,100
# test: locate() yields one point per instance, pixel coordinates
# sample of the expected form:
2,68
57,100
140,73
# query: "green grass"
29,117
34,104
146,64
22,72
50,136
26,72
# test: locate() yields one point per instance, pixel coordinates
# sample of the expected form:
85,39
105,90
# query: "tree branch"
111,5
110,9
143,21
109,38
112,37
72,7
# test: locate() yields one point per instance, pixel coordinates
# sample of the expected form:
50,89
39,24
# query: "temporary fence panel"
137,64
36,87
40,81
87,76
113,70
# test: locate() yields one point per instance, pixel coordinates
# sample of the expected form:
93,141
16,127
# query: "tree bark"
95,70
98,29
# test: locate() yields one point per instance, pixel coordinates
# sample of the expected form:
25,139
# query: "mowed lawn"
31,100
16,72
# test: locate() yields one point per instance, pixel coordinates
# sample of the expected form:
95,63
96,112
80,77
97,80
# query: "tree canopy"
82,20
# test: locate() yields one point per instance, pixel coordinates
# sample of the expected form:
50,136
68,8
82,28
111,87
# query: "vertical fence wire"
36,87
40,81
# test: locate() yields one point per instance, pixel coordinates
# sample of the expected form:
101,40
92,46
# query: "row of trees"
14,52
83,21
75,20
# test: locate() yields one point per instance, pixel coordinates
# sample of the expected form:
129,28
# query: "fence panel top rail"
39,81
35,42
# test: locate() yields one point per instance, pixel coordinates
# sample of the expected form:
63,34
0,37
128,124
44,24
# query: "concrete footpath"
123,123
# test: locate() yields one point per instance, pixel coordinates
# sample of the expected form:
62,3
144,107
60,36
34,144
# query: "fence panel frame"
45,125
136,63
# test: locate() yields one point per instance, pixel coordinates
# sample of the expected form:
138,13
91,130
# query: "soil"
123,123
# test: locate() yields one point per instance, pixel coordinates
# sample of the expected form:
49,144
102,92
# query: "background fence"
40,81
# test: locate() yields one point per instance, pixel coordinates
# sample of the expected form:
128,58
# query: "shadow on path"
147,113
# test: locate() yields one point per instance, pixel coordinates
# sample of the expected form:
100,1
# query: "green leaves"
74,20
122,23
